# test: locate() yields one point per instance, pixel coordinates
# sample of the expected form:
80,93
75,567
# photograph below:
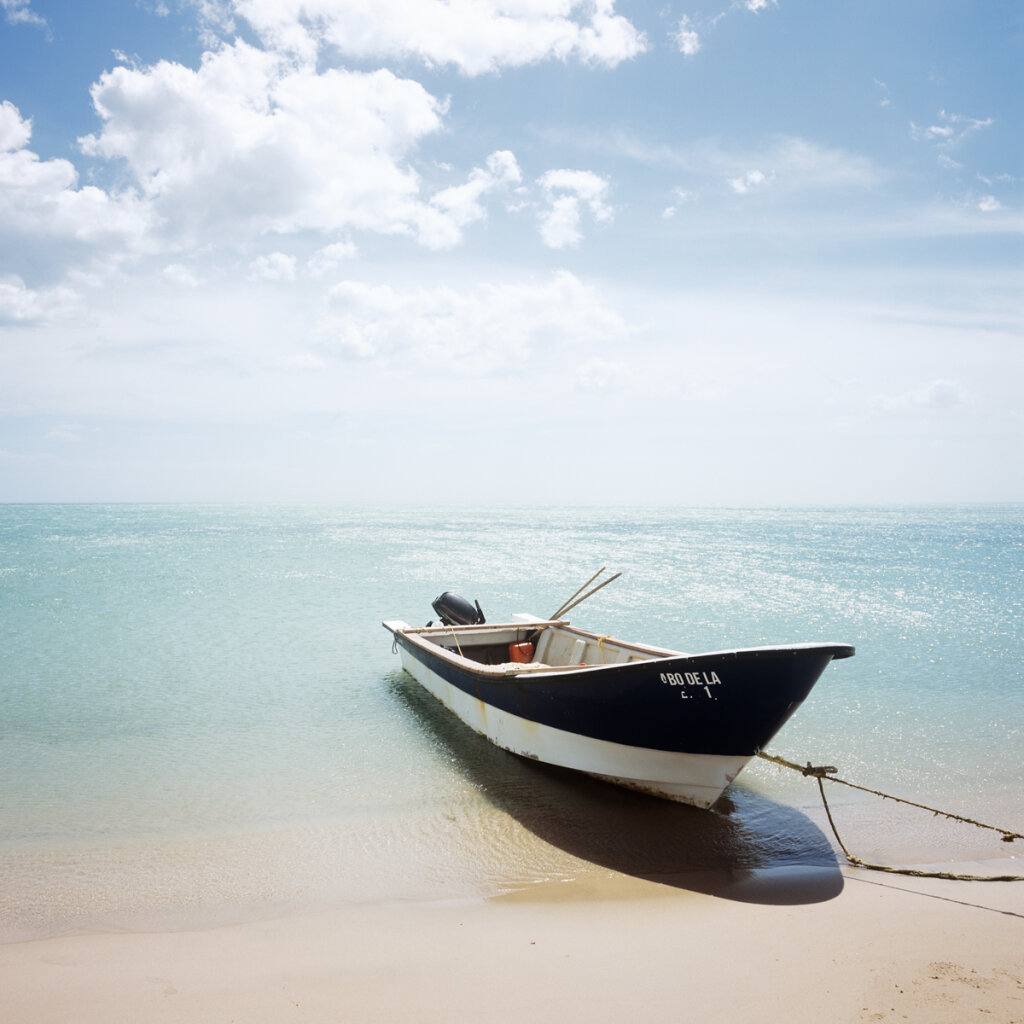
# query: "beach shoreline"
793,945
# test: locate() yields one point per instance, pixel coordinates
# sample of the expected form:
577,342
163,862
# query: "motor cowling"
454,610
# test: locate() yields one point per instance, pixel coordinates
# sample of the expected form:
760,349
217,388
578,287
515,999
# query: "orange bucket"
522,653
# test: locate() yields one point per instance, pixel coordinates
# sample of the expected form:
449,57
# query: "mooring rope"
822,772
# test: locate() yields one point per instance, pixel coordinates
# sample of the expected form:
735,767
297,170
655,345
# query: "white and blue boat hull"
673,725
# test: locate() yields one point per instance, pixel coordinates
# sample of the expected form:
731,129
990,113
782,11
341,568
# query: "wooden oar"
589,593
584,587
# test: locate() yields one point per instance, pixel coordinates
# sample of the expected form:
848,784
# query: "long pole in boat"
562,607
589,593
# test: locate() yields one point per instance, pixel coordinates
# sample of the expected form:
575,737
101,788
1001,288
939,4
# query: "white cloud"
15,132
485,329
453,208
21,305
947,134
567,193
680,197
252,143
19,12
323,261
475,36
950,129
747,182
935,395
216,21
276,266
40,202
560,223
687,38
18,304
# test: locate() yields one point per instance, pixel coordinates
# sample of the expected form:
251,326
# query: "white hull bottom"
697,779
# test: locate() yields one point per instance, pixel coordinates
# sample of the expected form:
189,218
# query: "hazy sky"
529,251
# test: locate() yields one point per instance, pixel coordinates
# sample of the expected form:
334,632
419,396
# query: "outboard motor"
457,611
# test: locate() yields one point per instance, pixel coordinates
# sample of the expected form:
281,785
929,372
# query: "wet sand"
786,945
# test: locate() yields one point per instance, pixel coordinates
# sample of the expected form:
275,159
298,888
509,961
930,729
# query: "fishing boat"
675,725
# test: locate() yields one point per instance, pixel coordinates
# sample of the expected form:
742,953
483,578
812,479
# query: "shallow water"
201,717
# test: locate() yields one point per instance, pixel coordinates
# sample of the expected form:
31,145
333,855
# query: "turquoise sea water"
202,719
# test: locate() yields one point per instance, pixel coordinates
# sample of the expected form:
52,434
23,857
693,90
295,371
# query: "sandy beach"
799,945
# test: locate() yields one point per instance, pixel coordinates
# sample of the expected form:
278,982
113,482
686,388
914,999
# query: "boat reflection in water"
748,848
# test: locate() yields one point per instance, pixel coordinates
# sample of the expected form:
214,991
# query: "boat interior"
536,645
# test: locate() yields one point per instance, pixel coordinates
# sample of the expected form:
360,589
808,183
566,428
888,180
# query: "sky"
758,252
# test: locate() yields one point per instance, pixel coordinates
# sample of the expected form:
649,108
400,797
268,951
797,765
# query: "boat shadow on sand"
749,848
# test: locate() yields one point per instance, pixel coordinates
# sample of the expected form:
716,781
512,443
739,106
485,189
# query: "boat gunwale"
417,637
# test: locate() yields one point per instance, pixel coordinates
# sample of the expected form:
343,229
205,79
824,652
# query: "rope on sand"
828,772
